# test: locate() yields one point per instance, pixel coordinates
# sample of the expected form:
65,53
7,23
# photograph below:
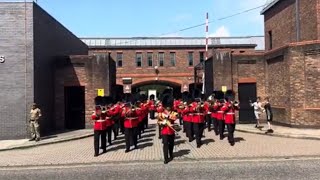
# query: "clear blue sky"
133,18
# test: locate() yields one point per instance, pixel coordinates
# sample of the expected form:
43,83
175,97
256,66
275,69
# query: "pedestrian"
269,115
35,115
257,107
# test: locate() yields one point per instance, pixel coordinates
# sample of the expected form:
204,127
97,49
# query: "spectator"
269,115
257,106
35,115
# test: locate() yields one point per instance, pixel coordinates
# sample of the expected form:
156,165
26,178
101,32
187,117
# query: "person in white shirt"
257,107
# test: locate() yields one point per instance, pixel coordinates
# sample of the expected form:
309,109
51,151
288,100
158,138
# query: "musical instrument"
166,121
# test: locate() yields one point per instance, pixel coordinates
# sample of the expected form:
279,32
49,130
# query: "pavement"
57,138
279,131
80,151
280,169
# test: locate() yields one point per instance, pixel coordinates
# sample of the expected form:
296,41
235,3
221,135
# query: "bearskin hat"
167,101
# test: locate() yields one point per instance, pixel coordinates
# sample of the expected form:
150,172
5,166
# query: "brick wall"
180,74
281,20
16,74
283,29
308,20
60,42
88,71
292,83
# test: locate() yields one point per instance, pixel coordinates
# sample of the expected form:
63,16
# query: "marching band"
193,115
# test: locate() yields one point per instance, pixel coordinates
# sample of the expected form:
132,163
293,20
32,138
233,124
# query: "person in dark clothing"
269,115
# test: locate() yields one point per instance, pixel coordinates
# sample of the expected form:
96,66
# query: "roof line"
269,6
168,37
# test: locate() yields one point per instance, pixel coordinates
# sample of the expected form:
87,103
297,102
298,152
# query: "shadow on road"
115,148
49,137
238,139
142,146
179,142
144,140
182,152
207,141
148,135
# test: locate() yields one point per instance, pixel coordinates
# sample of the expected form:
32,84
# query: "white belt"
101,120
230,113
220,111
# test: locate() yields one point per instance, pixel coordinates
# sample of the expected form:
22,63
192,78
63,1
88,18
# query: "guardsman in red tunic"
214,114
166,120
160,109
145,110
152,108
131,123
198,121
140,113
220,118
99,128
116,114
230,119
108,115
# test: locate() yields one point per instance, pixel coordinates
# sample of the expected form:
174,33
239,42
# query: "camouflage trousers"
34,129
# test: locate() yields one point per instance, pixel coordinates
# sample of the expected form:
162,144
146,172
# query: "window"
201,55
161,59
150,59
138,59
270,39
173,59
190,58
119,59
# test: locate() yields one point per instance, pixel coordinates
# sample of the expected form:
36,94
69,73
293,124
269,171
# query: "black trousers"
221,128
215,125
168,144
198,131
180,120
209,121
115,128
152,113
131,137
109,133
121,123
145,122
97,135
160,136
190,131
231,128
140,129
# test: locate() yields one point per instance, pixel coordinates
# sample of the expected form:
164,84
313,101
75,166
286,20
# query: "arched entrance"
158,88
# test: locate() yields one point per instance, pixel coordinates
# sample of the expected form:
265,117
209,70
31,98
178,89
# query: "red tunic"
172,116
99,123
230,117
214,113
131,118
220,114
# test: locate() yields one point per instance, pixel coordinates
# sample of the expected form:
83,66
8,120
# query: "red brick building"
164,61
287,71
292,68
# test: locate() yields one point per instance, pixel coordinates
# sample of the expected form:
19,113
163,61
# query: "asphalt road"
302,168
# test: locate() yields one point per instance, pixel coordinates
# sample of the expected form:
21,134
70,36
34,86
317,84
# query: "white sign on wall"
2,59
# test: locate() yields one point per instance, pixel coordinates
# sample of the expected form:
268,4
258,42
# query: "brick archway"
169,81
